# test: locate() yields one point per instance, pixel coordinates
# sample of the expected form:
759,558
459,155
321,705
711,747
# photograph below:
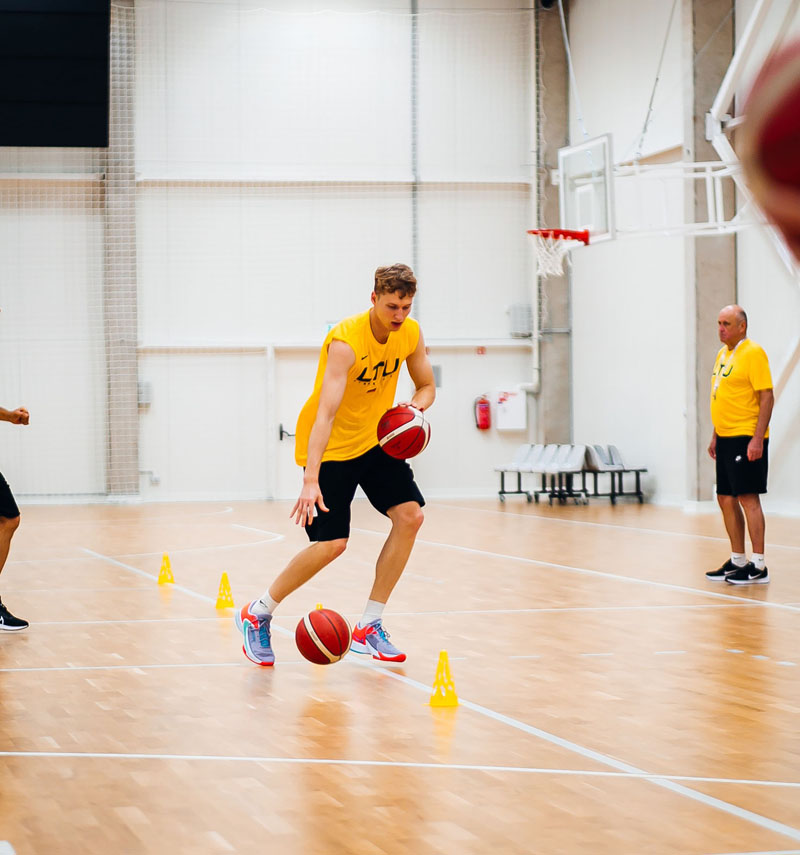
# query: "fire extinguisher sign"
512,411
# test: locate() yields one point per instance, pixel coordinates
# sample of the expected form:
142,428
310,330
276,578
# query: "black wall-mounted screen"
54,72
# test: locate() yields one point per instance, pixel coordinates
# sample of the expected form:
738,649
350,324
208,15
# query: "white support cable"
571,69
638,153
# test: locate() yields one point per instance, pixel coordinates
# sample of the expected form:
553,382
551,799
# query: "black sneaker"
8,622
722,574
748,575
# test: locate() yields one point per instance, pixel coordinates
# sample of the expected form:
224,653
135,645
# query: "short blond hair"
396,278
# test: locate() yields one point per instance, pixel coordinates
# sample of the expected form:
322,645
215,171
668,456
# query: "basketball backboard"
586,188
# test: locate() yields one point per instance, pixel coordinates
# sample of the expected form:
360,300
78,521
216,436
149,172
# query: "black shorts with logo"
736,475
8,507
385,480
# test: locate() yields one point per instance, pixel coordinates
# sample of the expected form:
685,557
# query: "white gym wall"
630,382
274,172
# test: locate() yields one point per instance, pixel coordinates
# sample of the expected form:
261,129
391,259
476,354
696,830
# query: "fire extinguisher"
483,413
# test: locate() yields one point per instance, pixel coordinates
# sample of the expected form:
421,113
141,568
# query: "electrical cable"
638,153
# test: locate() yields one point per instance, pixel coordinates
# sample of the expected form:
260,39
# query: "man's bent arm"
766,401
712,446
340,358
419,367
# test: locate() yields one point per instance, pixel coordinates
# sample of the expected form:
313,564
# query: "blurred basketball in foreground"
403,432
323,636
770,142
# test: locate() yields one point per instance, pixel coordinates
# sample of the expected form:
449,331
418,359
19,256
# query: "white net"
551,250
263,162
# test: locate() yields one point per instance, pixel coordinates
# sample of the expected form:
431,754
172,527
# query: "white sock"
738,558
758,560
372,611
265,606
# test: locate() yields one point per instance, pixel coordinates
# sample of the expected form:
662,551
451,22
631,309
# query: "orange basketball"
323,636
403,432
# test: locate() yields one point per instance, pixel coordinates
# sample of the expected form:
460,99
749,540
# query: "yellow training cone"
319,606
224,597
165,576
444,690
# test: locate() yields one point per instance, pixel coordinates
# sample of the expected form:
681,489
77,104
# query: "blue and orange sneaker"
374,639
257,645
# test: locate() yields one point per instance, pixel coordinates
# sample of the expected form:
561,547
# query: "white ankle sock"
372,611
265,606
758,560
738,558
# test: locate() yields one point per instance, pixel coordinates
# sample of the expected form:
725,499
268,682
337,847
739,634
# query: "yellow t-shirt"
370,389
734,400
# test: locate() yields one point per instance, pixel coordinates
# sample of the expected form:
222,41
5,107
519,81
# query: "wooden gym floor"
612,701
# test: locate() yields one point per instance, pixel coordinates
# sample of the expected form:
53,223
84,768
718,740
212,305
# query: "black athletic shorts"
8,507
385,480
736,475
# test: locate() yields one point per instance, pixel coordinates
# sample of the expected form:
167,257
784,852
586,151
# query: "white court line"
289,661
394,764
663,781
274,534
219,548
140,520
557,610
74,590
585,571
770,852
660,781
129,620
617,526
436,613
157,666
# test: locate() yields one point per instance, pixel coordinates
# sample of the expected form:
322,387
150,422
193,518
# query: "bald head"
732,325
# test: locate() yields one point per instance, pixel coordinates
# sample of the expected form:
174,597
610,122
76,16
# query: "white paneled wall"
51,335
203,436
630,301
283,151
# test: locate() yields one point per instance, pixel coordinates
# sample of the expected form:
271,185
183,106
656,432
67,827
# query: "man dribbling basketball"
336,443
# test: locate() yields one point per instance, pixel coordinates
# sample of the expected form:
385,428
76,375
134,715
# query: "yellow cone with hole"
444,690
225,595
165,576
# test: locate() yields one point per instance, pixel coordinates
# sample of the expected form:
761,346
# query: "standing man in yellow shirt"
337,445
741,406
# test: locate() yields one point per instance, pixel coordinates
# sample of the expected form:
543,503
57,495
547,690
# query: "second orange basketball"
323,636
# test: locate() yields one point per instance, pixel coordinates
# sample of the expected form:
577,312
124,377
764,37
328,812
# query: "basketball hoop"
552,245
